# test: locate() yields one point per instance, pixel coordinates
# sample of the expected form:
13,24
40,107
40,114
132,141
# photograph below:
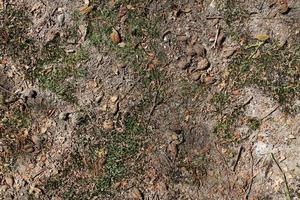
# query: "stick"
287,190
270,113
2,88
238,158
216,37
214,17
252,174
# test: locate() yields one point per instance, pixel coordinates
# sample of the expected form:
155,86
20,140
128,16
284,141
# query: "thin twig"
271,112
216,37
252,177
287,190
214,17
2,88
238,158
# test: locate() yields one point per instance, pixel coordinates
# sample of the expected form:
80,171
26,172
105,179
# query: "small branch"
252,177
271,112
287,190
216,37
2,88
238,158
214,17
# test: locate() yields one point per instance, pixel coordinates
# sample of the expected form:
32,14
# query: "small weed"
14,25
121,148
220,101
254,123
17,120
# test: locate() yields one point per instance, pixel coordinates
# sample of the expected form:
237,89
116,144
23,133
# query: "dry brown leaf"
136,194
86,10
262,37
283,6
115,36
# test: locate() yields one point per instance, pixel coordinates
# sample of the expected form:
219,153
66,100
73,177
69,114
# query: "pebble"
36,140
9,181
202,64
64,116
228,52
209,80
3,188
28,148
61,19
292,136
114,107
196,75
108,124
114,99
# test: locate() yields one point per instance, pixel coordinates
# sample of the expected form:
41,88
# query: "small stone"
3,188
28,148
61,19
36,140
292,137
108,124
9,181
283,7
228,52
114,99
184,63
114,108
202,64
196,76
209,80
64,116
122,44
103,108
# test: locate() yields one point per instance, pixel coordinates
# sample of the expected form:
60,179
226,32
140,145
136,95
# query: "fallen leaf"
115,36
136,194
86,10
283,6
262,37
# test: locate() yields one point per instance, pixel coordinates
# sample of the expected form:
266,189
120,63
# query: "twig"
287,190
214,17
216,37
238,158
252,177
271,112
2,88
